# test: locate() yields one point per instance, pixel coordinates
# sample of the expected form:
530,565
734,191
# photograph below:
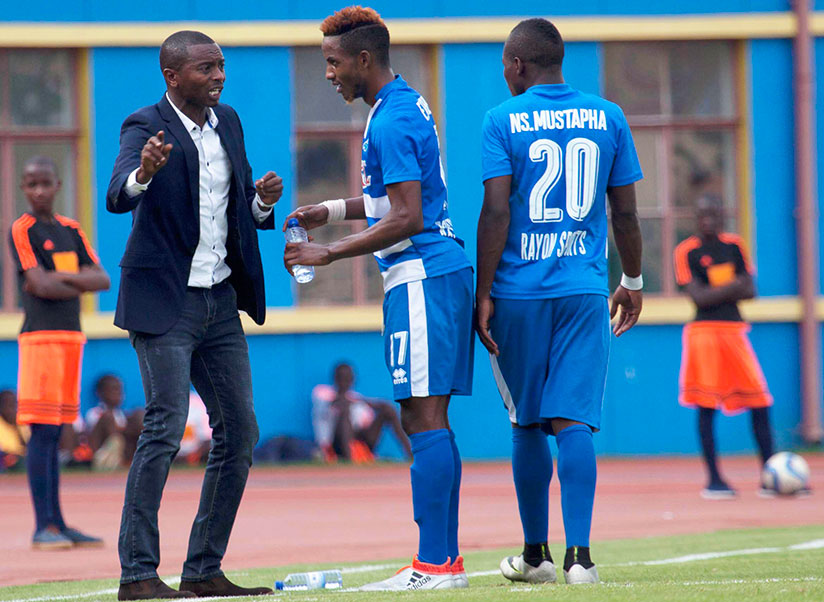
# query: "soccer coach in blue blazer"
191,262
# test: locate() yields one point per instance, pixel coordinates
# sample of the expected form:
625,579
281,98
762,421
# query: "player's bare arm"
493,228
742,287
627,232
48,285
404,219
269,188
89,279
315,216
153,157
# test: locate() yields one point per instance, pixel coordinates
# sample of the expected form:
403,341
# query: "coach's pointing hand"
153,156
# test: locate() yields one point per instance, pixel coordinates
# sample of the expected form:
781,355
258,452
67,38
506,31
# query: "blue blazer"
166,224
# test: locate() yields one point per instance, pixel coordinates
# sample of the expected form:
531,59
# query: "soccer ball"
785,473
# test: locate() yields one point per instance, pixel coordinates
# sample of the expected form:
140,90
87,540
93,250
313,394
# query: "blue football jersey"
563,148
400,144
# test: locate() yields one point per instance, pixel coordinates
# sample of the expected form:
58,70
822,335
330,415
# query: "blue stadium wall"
641,413
252,10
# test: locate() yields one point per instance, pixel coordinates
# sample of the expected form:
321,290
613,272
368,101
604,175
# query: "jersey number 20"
580,169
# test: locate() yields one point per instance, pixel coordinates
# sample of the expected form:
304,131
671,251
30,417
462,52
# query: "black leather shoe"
149,589
221,586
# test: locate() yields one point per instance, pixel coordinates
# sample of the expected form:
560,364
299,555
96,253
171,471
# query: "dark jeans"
206,347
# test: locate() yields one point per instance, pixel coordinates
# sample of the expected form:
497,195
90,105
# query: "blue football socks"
577,473
433,474
454,502
532,472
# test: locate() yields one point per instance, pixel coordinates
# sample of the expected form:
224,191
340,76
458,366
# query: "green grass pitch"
782,565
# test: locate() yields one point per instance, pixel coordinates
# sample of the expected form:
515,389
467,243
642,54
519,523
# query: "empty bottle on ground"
313,580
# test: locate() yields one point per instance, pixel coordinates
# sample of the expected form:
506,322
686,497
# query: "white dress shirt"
209,261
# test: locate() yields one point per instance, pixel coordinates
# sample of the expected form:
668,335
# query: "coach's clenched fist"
153,156
269,188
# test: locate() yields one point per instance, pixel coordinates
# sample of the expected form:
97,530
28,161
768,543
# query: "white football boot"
515,568
581,568
577,575
419,575
459,577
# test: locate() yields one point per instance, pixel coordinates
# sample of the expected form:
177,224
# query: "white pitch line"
704,556
625,585
814,544
102,592
807,545
367,568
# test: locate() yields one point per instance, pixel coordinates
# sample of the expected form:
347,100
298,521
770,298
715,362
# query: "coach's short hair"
175,49
536,41
359,28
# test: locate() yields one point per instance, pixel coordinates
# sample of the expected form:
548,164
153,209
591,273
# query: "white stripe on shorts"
418,343
503,389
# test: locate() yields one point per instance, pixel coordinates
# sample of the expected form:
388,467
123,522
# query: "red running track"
353,513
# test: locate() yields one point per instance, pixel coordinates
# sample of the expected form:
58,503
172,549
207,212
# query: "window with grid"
680,102
38,116
329,135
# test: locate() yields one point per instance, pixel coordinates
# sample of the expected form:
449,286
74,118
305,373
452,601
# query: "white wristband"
337,210
632,284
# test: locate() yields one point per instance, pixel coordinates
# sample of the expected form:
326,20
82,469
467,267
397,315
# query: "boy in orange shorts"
719,369
56,264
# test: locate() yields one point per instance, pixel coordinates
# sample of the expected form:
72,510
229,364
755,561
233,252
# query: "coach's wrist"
632,283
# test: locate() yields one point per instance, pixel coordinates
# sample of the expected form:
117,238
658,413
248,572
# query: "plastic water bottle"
299,582
294,233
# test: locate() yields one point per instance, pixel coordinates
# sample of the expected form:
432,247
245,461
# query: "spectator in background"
347,424
55,265
719,369
13,437
111,433
74,450
197,436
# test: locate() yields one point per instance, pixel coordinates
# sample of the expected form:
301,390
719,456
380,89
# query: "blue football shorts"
553,358
428,337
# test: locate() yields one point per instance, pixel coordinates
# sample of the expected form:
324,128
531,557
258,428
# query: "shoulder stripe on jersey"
22,242
682,266
734,239
70,223
369,117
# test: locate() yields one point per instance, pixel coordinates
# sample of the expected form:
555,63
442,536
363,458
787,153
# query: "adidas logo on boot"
419,575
